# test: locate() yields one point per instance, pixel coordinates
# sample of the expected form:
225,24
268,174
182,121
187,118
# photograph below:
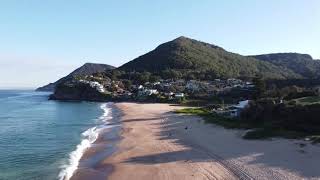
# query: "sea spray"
89,137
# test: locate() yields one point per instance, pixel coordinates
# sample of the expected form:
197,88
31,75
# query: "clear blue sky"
41,41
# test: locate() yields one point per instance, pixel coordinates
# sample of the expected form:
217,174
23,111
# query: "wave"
88,138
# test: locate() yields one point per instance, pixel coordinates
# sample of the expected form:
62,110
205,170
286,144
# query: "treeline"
187,58
302,119
293,82
275,110
285,89
145,76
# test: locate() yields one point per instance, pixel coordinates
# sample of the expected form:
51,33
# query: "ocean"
42,139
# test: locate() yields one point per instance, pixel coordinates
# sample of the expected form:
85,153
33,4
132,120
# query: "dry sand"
157,145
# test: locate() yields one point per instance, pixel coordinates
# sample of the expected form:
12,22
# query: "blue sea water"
41,139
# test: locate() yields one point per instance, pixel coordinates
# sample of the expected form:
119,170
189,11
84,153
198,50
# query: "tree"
171,74
260,86
127,84
153,78
115,74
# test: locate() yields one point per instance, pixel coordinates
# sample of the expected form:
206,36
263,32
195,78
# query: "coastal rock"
78,92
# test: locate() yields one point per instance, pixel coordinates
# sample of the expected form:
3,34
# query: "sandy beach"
158,144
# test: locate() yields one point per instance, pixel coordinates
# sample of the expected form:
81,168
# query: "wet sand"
90,166
158,144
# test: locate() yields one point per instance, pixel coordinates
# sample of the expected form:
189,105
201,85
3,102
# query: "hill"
188,56
302,64
86,69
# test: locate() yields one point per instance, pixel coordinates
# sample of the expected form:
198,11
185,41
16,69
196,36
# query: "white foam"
106,114
89,137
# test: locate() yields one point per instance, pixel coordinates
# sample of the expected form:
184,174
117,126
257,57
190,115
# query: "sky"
42,41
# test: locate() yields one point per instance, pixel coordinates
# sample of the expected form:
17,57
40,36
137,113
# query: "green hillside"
188,56
302,64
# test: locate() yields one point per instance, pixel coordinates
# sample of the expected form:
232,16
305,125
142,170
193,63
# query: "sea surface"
42,139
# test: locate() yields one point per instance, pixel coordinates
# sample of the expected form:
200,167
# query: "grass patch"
194,111
195,102
308,100
213,118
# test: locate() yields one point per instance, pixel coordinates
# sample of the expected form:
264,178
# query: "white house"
99,87
179,95
147,92
236,109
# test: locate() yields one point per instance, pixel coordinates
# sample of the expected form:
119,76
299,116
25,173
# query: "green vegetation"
285,104
260,87
264,127
79,91
185,58
197,102
191,59
301,64
215,118
283,120
194,111
307,100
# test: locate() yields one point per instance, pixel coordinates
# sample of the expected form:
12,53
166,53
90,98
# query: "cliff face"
78,92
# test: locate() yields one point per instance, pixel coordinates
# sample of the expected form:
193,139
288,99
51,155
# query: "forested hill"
302,64
86,69
186,56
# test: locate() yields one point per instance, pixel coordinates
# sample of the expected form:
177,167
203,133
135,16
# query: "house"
236,109
179,95
94,84
151,91
147,92
98,86
156,83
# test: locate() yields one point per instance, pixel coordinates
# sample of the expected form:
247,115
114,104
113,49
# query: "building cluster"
166,89
94,84
194,86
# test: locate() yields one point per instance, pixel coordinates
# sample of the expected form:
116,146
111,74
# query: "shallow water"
40,139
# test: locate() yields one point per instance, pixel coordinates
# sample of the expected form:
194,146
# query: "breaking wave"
88,138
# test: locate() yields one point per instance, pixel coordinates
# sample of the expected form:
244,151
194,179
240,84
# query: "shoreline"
139,137
103,147
154,143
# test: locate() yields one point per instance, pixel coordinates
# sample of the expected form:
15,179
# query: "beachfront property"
167,89
98,86
94,84
236,109
147,92
231,110
179,95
